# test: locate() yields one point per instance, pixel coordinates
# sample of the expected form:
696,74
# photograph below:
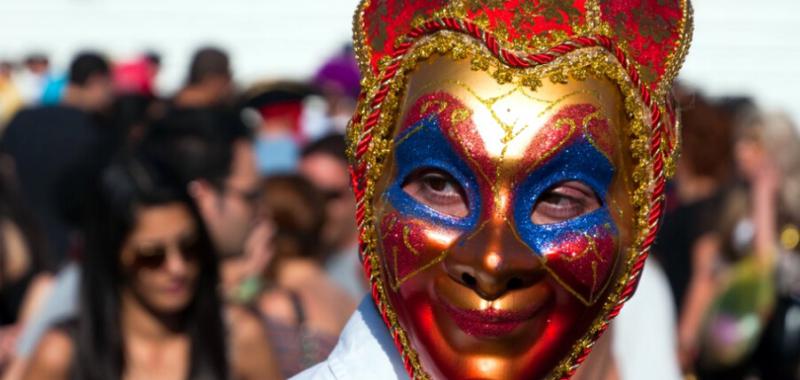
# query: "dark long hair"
14,211
127,184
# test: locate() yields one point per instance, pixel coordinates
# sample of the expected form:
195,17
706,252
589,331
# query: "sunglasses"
154,256
249,196
330,195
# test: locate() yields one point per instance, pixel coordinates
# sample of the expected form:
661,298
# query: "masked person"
508,161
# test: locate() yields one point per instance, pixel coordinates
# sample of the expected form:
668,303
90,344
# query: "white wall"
748,47
264,37
739,46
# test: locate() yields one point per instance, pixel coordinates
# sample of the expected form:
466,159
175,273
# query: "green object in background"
247,291
737,318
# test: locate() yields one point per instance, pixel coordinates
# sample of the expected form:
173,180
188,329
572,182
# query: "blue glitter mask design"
424,145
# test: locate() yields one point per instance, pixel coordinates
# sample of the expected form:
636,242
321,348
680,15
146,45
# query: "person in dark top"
695,196
751,262
20,245
209,153
149,304
58,149
20,260
694,205
210,80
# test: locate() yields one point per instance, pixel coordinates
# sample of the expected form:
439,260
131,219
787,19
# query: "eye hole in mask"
564,201
438,190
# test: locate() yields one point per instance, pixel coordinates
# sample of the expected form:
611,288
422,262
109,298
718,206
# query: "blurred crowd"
210,233
729,243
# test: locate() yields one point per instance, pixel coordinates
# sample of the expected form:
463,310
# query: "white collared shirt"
643,340
365,351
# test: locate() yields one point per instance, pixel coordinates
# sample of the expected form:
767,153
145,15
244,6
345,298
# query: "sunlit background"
737,182
740,47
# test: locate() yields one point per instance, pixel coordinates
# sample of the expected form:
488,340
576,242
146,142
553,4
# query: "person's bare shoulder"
339,304
253,356
52,358
244,324
39,289
277,305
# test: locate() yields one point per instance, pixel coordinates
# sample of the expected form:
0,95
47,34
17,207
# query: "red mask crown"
648,39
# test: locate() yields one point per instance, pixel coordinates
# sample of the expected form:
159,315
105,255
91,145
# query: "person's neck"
196,95
348,244
73,97
145,324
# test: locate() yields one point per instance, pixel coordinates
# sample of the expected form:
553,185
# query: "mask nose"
493,262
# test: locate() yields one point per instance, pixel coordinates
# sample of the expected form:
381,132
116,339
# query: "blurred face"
5,70
160,257
330,175
501,218
229,212
98,92
38,66
750,157
222,86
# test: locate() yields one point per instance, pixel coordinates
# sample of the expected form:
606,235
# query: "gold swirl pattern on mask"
406,243
555,276
398,281
577,64
510,129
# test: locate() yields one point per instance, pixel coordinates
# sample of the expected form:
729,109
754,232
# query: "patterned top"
298,347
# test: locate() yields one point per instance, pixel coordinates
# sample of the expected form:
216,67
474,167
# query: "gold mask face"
503,217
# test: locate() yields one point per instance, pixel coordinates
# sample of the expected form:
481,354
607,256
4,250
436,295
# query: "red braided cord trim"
514,59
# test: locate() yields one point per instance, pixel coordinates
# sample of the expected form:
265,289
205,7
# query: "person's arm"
38,290
699,295
16,256
763,198
252,356
52,358
60,303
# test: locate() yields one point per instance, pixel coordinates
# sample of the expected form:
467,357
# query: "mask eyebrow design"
550,104
423,105
428,147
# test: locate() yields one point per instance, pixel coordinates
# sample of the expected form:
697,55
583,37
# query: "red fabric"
135,77
649,28
289,111
644,32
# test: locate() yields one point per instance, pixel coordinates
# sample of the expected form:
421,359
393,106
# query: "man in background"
57,149
324,163
210,81
210,151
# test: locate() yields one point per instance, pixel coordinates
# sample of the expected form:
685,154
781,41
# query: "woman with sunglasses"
149,307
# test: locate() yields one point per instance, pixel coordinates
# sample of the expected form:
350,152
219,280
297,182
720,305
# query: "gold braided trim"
579,65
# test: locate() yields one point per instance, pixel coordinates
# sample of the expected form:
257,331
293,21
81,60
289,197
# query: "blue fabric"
276,154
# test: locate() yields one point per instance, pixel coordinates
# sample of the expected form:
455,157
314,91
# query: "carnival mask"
506,200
